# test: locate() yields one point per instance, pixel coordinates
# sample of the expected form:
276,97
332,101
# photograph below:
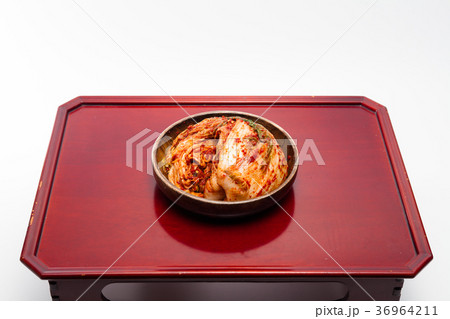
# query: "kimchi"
226,158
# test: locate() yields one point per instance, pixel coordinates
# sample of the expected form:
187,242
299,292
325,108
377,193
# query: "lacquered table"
348,230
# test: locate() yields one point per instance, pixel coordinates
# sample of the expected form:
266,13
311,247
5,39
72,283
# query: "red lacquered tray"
355,213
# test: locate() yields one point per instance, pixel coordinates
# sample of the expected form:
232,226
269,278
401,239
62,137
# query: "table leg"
77,289
383,289
380,289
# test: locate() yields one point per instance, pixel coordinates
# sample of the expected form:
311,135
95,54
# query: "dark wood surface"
90,207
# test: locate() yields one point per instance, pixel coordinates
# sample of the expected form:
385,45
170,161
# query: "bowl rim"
216,202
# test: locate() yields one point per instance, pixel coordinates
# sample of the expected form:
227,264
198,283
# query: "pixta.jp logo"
139,150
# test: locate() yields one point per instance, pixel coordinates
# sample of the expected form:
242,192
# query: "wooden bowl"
222,208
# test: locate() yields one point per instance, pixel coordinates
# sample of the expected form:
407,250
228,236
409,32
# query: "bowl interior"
165,140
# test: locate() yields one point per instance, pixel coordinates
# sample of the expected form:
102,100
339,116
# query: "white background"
397,53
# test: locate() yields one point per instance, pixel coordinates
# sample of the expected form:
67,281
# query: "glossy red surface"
356,212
